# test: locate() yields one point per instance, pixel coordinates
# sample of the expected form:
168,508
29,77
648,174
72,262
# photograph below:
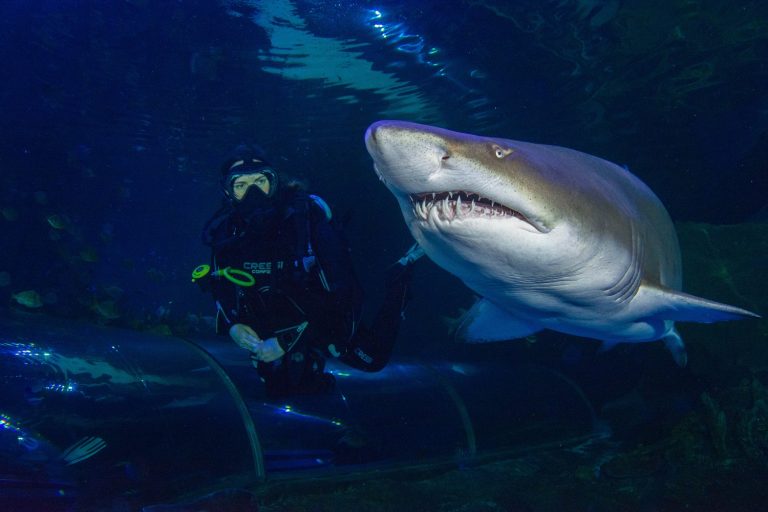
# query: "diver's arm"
227,314
341,309
227,297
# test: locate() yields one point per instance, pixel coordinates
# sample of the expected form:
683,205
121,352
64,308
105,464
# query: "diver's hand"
245,337
262,350
268,350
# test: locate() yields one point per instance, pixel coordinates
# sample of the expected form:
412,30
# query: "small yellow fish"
89,255
56,221
114,291
161,330
106,309
28,298
10,214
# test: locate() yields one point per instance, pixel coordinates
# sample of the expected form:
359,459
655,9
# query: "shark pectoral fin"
667,304
674,344
486,322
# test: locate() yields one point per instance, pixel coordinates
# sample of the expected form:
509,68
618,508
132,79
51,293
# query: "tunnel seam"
250,427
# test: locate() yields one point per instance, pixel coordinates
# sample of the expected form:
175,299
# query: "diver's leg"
371,348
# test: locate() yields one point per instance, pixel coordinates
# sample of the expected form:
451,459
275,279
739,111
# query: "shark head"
475,204
458,177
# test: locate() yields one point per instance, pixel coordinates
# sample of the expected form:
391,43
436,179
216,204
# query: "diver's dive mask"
250,184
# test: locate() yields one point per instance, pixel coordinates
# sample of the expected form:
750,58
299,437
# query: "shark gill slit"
626,287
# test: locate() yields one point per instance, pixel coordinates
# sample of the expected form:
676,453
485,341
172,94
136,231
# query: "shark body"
549,237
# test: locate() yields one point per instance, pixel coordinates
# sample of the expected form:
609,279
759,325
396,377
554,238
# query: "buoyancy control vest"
275,247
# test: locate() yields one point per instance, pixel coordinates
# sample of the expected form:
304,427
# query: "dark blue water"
115,116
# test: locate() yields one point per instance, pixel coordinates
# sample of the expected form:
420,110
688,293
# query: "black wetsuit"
306,293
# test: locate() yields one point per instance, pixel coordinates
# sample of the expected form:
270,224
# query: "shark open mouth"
461,205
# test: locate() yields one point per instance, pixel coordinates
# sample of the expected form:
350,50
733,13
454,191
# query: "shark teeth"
453,205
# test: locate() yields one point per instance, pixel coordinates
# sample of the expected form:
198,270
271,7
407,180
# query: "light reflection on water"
295,53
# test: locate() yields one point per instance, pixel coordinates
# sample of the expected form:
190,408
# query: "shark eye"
500,151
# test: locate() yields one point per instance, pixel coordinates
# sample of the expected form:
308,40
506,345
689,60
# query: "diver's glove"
267,351
401,273
261,350
244,336
414,253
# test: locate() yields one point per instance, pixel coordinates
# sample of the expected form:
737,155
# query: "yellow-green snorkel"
234,275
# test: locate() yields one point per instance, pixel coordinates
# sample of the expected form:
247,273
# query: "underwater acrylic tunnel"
101,418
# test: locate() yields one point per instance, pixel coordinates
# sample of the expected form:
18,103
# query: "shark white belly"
549,237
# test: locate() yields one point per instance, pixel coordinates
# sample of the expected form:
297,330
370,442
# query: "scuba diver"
283,281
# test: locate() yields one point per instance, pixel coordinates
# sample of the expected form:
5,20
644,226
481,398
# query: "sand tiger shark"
549,237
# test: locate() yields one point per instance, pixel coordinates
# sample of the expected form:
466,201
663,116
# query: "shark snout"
402,142
405,154
373,129
404,135
383,135
370,135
